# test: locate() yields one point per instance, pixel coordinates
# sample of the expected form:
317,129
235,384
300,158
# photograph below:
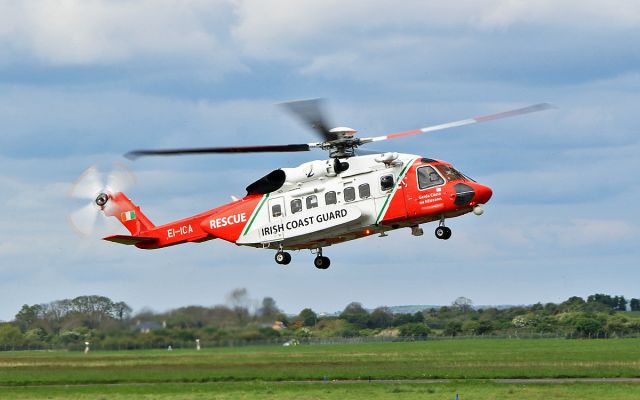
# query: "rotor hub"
102,199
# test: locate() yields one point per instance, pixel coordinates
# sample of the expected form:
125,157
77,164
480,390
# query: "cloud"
97,32
438,40
83,82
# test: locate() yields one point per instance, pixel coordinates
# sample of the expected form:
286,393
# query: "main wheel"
322,262
283,258
442,232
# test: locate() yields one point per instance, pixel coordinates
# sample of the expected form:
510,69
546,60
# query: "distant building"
278,326
148,326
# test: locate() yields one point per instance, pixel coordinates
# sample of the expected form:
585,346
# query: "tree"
462,304
483,328
308,317
620,303
453,328
381,317
356,314
589,326
269,309
239,301
401,319
414,329
121,310
27,316
574,303
634,304
10,335
605,302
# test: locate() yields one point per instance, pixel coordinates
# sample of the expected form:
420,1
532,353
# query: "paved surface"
359,382
504,381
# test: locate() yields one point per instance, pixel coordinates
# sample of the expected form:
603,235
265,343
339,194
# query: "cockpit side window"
450,173
428,177
276,210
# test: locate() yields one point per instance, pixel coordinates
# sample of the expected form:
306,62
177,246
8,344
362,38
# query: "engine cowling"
309,171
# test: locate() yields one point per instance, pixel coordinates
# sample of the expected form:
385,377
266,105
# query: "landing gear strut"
321,262
282,257
442,232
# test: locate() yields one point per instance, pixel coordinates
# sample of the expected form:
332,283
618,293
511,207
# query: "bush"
414,329
453,328
589,326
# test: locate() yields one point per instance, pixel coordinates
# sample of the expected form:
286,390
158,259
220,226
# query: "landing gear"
321,262
442,232
282,257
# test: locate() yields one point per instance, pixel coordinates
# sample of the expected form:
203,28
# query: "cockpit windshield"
451,173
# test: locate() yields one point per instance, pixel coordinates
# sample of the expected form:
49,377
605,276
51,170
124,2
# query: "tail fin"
129,214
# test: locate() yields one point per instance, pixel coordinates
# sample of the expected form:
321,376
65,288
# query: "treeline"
110,324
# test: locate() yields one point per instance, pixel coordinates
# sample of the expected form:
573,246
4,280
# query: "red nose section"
483,193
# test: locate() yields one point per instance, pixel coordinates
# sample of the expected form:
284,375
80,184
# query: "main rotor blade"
469,121
132,155
310,112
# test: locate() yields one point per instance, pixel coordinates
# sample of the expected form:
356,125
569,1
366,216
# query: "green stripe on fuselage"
393,191
255,214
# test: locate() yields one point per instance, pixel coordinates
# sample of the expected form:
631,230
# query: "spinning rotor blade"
310,112
120,179
84,219
132,155
469,121
88,185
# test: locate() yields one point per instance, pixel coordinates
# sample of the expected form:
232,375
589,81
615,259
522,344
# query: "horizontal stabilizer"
130,240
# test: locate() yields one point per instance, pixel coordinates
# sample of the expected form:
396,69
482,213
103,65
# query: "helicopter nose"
483,193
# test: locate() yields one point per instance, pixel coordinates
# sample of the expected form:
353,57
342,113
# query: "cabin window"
386,182
349,194
312,201
330,198
364,191
296,206
276,210
428,177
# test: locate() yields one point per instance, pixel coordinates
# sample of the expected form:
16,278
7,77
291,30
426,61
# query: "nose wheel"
283,258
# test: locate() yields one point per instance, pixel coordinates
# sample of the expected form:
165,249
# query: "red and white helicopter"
314,205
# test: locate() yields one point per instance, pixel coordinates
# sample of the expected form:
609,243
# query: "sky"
84,81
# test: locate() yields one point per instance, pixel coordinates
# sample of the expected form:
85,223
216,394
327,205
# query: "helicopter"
317,204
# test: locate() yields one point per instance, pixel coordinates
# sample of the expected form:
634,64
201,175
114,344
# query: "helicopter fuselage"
321,203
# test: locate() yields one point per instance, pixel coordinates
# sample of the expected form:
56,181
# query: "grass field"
263,372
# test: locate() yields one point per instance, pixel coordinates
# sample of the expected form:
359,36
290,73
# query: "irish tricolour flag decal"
128,216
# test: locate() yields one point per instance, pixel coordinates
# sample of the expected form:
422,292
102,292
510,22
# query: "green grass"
262,372
451,359
368,391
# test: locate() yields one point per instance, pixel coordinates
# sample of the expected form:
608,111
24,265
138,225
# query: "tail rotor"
93,186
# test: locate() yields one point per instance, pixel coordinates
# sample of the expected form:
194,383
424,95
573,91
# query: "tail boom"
144,234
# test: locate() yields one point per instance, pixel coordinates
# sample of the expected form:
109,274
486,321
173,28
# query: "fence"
106,346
